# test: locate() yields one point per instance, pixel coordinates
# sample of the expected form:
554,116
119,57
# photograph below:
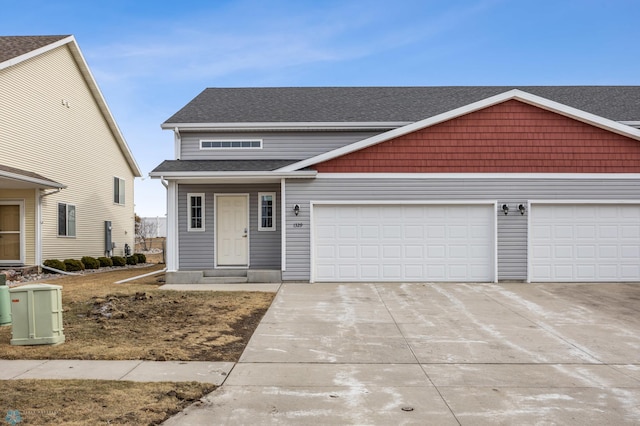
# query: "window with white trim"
266,211
195,205
118,190
66,220
231,144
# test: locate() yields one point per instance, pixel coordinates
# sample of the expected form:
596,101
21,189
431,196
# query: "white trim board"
514,94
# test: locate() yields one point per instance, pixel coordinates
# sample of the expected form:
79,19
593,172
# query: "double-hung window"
195,206
267,211
66,220
118,190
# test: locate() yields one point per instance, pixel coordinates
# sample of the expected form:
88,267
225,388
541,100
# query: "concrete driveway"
465,354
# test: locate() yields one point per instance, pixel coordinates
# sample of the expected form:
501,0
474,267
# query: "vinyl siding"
512,229
72,145
197,249
28,196
275,145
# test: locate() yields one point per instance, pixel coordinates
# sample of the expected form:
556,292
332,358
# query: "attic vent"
231,144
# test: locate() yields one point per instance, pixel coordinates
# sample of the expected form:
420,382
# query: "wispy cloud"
250,38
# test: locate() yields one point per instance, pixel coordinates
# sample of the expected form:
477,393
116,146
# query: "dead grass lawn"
135,320
84,402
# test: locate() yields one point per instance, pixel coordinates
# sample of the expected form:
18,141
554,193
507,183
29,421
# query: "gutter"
337,125
233,175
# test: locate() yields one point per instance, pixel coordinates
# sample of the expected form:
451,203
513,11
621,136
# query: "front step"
223,280
225,273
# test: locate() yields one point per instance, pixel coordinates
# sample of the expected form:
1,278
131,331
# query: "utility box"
36,311
5,302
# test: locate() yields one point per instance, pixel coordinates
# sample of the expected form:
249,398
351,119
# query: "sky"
150,58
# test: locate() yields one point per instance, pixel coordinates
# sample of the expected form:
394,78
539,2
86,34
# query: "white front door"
11,232
232,230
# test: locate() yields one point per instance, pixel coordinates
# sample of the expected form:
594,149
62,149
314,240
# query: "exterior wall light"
522,209
296,209
505,209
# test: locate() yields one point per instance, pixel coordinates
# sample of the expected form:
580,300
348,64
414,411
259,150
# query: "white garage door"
404,242
585,242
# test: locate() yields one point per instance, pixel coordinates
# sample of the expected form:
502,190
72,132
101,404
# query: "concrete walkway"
467,354
137,371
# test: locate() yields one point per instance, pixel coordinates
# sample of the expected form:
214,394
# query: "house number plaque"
297,225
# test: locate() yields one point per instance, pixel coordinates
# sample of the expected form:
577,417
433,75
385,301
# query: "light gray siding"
197,250
512,229
275,145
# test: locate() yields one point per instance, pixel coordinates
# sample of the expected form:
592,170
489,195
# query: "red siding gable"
510,137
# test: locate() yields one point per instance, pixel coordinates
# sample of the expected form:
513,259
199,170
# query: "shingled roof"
14,46
384,104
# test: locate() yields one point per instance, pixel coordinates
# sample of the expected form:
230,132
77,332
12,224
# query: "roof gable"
16,49
527,98
510,137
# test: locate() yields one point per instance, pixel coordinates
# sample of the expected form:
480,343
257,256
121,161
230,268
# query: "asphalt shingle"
14,46
385,104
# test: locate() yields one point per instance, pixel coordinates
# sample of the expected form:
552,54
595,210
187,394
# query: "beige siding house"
66,171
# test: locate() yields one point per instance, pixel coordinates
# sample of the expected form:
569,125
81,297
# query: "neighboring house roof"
16,49
220,107
549,105
11,173
15,46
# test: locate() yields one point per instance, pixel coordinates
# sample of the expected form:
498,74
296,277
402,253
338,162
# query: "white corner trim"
513,94
283,225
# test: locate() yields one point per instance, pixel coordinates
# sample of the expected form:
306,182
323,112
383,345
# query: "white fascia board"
515,94
475,176
201,127
635,124
13,61
102,104
235,175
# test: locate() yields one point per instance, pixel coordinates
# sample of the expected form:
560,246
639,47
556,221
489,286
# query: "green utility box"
36,311
5,301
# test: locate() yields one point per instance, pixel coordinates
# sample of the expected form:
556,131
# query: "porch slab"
266,287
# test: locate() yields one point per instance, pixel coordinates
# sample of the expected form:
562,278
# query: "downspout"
38,253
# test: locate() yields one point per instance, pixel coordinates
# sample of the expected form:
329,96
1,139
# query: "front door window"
10,233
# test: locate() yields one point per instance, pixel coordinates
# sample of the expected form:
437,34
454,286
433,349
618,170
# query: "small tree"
145,231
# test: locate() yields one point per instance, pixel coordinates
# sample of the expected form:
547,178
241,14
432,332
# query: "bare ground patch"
96,402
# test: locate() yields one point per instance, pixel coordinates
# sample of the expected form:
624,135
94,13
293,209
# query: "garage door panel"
585,242
400,243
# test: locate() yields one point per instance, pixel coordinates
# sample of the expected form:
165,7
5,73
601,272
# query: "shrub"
73,265
90,262
140,257
105,262
132,260
55,263
118,261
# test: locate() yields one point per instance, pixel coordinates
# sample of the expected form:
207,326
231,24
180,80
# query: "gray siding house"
401,184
